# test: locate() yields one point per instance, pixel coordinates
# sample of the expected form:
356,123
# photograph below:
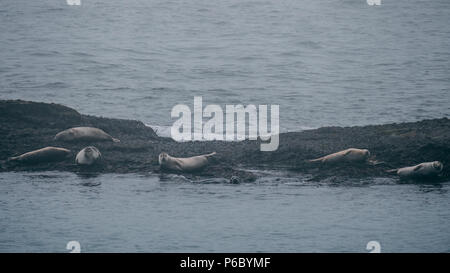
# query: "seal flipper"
115,140
9,162
13,158
316,160
418,167
211,158
374,162
211,154
392,171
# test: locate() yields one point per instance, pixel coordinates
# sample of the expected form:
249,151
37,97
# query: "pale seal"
84,134
426,169
88,156
188,164
46,154
348,155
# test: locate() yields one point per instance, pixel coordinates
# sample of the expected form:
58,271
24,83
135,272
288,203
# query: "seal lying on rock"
88,156
348,155
188,164
46,154
426,169
84,134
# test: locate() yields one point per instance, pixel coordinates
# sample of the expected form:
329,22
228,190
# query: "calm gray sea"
325,62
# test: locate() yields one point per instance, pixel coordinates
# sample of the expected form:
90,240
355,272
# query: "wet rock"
27,126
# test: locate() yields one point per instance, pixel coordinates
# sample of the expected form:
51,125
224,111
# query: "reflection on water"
87,175
280,212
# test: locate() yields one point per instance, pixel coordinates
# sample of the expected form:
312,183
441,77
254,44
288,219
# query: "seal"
348,155
235,180
88,156
84,134
188,164
47,154
426,169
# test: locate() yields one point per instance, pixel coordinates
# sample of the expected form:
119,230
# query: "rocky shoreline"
27,126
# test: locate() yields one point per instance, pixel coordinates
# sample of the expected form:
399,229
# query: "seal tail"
115,140
14,158
392,171
376,162
315,160
211,154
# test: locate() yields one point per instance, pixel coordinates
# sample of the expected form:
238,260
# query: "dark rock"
27,126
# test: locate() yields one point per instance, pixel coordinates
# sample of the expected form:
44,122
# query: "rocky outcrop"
26,126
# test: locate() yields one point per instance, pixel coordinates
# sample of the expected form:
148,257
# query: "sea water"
325,62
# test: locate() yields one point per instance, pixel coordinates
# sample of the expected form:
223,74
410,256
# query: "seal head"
438,166
88,156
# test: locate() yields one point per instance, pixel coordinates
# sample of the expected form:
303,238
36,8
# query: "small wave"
310,44
51,85
161,131
164,131
44,54
300,129
117,89
82,54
